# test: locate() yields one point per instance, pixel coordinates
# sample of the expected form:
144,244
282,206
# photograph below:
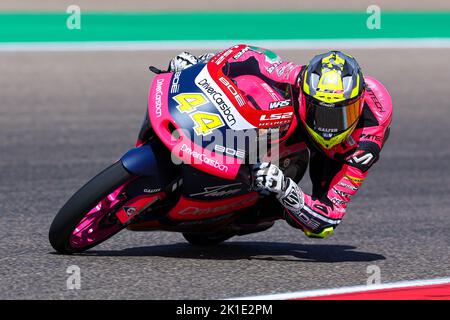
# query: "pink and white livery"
224,144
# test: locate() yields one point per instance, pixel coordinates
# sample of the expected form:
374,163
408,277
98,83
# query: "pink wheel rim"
88,230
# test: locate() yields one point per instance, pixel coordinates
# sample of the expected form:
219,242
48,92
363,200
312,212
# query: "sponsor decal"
342,193
279,104
158,97
288,72
354,179
277,116
350,187
151,190
240,53
219,191
129,211
339,201
371,137
217,97
308,221
281,70
239,153
361,157
223,104
216,209
375,101
327,130
223,56
270,91
326,104
276,119
294,198
273,66
233,91
203,158
175,86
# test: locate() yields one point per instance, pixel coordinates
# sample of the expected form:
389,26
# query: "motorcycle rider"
344,120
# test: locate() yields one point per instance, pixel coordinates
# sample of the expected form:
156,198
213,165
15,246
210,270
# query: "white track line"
344,290
219,44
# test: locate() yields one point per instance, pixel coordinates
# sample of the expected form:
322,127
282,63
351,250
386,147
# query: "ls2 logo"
277,116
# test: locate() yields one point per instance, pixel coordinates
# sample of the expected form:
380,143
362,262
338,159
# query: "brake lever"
156,70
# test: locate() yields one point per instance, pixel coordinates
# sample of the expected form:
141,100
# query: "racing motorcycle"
172,180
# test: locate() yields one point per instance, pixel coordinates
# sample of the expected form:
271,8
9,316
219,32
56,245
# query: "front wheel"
89,217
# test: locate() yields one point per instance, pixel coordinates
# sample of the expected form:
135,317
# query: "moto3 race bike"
188,172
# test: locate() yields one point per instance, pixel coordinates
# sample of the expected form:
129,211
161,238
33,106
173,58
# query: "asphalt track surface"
66,116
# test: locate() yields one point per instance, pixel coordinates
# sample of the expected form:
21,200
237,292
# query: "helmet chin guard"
331,97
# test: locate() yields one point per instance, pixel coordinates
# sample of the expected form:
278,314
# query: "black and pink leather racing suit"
336,173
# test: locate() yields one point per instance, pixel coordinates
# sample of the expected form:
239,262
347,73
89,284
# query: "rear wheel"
89,216
199,239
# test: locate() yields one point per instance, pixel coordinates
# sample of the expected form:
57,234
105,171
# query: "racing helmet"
331,97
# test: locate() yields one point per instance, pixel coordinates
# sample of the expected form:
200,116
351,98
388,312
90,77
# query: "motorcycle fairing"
171,132
136,205
211,188
191,209
258,118
175,98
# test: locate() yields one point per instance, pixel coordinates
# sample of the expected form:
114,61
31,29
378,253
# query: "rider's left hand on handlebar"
182,61
269,177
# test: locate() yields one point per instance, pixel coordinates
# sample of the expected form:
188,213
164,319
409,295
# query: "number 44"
205,122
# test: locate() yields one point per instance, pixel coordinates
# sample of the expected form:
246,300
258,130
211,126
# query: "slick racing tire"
88,217
198,239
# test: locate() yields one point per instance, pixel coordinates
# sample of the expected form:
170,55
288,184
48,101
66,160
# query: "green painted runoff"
155,26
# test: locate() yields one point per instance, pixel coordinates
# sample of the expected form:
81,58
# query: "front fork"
155,176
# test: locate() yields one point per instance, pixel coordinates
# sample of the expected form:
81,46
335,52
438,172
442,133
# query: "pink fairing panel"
270,65
136,205
158,108
205,160
177,142
259,90
190,209
257,118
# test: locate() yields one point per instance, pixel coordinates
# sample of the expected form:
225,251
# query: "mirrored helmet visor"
331,119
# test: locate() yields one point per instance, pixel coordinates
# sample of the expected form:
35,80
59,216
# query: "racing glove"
182,61
205,57
269,177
